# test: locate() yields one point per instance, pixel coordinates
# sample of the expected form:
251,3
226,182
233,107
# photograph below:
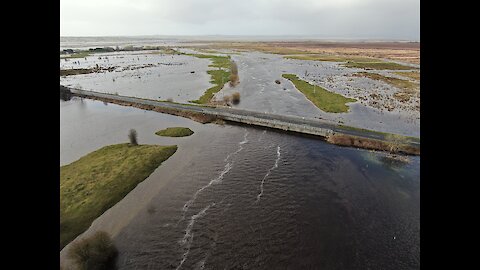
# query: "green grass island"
175,132
97,181
325,100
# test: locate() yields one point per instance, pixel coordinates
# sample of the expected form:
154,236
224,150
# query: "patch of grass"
97,181
217,61
399,83
218,76
325,100
378,65
96,252
412,75
175,132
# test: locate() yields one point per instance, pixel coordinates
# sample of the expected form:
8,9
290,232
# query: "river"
239,197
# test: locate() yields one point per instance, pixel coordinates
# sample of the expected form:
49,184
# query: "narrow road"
305,124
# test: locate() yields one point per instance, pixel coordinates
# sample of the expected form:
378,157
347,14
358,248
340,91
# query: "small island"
97,181
175,132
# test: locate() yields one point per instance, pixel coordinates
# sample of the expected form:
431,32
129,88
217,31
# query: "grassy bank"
97,181
325,100
393,146
175,132
219,76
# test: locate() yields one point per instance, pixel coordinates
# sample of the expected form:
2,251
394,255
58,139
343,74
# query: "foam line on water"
268,173
215,180
240,146
188,237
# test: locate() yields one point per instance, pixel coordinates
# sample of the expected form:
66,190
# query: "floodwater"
142,74
258,91
183,78
238,197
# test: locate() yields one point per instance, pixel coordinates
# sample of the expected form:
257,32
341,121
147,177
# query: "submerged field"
97,181
385,87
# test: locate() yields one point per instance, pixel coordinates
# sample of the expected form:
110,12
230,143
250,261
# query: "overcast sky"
376,19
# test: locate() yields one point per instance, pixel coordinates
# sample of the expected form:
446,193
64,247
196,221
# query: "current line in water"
268,173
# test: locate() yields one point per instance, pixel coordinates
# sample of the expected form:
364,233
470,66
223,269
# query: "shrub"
236,98
132,135
65,93
234,79
96,252
395,142
227,99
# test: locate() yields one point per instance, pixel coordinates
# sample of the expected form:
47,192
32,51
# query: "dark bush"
236,98
94,253
65,93
132,135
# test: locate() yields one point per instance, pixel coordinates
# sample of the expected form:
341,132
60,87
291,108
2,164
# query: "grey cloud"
398,19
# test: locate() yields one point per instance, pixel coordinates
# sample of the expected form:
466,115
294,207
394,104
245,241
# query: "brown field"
398,51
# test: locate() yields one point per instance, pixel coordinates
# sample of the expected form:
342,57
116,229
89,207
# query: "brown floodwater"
238,197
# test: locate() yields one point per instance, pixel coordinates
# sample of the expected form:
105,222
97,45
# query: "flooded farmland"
241,197
183,78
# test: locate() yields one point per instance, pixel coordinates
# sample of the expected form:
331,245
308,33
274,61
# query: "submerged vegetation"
68,72
352,61
330,58
325,100
219,76
399,83
80,54
97,181
96,252
378,65
415,75
175,132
